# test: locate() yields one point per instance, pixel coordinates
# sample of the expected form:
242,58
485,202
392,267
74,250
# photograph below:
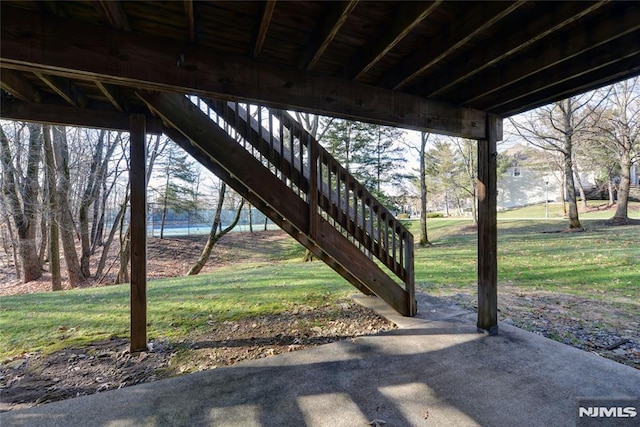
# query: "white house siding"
522,186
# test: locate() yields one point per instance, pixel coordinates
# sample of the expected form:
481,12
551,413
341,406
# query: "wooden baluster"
271,156
312,150
402,269
329,189
364,216
281,129
347,203
260,136
393,245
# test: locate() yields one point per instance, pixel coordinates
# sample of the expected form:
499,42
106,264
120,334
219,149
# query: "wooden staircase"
273,162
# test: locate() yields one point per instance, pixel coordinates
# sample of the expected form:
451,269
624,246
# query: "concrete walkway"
436,370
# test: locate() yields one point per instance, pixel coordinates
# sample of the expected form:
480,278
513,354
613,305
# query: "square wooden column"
138,227
488,228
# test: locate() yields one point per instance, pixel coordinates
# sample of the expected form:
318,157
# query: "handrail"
291,153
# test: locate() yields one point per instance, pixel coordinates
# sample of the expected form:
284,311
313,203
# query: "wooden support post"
312,149
138,225
487,228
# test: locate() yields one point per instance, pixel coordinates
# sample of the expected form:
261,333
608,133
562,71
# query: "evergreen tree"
371,153
179,176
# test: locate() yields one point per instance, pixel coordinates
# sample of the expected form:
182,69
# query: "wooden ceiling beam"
447,43
588,81
267,13
554,17
593,65
64,88
60,114
555,52
89,52
18,86
191,20
326,32
112,12
408,16
114,95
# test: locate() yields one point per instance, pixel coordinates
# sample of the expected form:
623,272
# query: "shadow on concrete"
429,372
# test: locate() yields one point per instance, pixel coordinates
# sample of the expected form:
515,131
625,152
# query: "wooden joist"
85,51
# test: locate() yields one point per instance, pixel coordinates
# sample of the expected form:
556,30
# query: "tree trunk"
23,201
424,238
14,250
622,214
583,195
107,244
54,243
44,232
308,256
574,221
214,236
61,154
250,217
612,199
125,254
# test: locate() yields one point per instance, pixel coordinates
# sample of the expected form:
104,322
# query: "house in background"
534,176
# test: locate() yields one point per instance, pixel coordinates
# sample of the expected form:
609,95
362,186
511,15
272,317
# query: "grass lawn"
603,262
533,255
51,321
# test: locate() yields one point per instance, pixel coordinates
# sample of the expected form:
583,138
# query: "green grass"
532,254
556,211
51,321
603,262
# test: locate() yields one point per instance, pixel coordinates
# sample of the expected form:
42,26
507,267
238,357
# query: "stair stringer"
216,150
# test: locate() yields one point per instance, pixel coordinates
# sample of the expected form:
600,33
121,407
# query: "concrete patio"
434,370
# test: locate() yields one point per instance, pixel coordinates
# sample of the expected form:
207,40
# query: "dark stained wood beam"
85,51
605,74
138,227
553,17
408,16
191,20
557,51
18,86
61,114
327,30
267,12
53,7
441,47
112,12
114,96
488,229
64,88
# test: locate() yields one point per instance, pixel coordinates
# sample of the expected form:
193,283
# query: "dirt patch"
609,329
36,378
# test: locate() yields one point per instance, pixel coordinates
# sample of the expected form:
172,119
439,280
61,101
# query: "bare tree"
21,192
215,234
620,128
467,153
54,234
102,152
557,127
421,151
65,218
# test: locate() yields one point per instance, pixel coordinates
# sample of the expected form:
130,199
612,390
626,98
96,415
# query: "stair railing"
284,147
